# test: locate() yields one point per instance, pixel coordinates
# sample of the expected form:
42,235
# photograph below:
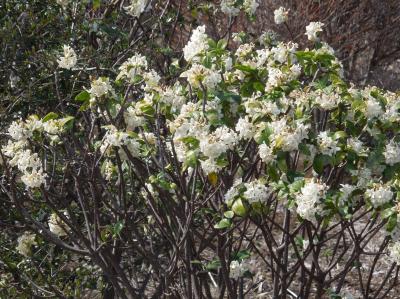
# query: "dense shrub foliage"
236,170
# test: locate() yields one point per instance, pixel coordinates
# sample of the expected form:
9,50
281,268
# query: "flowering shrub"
253,170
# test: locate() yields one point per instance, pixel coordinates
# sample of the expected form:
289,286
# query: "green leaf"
273,173
318,163
213,265
282,162
222,44
242,255
245,68
96,4
247,89
387,213
229,214
83,96
238,208
340,134
224,223
49,116
392,222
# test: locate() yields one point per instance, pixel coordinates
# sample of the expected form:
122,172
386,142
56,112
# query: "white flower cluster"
310,200
100,87
357,146
379,195
285,137
136,7
392,153
57,226
238,269
233,192
327,145
133,67
281,15
346,190
214,144
200,76
256,191
266,153
69,60
373,108
250,6
228,7
117,139
173,96
313,29
246,130
327,100
197,44
133,117
25,243
28,163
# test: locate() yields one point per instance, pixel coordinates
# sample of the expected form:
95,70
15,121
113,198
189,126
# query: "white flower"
244,50
210,166
245,128
151,79
327,145
295,70
33,123
256,191
275,78
68,61
12,149
197,44
394,252
136,7
34,179
309,201
199,75
134,66
346,190
379,195
57,226
237,269
114,137
108,169
100,87
312,29
356,145
327,101
250,6
392,153
233,191
25,243
281,15
228,7
266,153
280,52
25,160
133,147
228,63
214,144
132,118
286,137
173,96
18,131
150,137
373,108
